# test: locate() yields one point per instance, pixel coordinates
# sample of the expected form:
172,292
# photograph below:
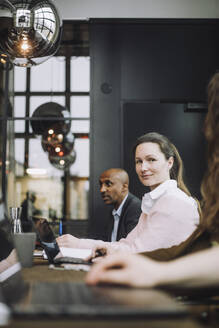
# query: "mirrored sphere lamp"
63,163
58,144
30,30
51,118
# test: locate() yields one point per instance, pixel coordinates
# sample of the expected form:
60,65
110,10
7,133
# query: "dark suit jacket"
131,212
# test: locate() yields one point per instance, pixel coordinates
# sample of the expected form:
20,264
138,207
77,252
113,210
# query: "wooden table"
41,272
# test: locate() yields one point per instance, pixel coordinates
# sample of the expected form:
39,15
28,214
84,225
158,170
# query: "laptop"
54,254
74,300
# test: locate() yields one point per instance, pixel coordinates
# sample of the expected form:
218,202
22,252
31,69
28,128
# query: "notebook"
56,254
74,300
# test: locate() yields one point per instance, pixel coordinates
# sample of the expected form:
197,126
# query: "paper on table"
38,253
80,253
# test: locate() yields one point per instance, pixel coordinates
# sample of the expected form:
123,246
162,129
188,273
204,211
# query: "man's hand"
67,241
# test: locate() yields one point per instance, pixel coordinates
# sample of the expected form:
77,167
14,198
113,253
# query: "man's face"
111,188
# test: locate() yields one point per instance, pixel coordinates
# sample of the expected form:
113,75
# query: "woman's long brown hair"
210,184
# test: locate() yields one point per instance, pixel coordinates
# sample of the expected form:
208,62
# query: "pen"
60,227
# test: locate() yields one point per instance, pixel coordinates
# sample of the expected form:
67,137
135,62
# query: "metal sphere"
30,30
46,117
58,144
64,162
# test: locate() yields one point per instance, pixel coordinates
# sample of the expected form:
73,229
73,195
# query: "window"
61,186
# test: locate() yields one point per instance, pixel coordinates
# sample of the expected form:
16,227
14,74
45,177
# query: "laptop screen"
43,230
46,237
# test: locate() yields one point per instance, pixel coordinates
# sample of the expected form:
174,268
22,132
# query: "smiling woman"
152,167
169,214
158,160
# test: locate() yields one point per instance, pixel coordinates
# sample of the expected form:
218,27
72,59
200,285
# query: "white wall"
82,9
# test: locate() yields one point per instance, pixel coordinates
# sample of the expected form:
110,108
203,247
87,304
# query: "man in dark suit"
114,189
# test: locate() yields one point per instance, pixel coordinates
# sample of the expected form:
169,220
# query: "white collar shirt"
169,186
116,214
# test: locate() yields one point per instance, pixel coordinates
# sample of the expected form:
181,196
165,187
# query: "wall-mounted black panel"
167,61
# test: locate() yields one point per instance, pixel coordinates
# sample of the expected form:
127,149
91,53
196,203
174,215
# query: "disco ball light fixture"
30,31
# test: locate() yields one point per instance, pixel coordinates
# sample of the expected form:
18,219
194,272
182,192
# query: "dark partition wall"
133,62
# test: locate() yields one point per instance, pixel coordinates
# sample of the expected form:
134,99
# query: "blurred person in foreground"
194,270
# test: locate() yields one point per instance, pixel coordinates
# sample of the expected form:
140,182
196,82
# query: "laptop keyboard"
65,294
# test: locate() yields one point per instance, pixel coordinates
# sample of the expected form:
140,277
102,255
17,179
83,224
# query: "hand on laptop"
67,241
98,253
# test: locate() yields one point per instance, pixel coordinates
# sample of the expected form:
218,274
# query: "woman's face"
151,165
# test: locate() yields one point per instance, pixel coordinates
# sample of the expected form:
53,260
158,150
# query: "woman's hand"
97,253
67,241
125,269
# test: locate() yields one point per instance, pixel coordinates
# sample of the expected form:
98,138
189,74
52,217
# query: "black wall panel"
147,61
167,60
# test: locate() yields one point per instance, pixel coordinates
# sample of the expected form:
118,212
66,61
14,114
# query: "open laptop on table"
75,300
55,254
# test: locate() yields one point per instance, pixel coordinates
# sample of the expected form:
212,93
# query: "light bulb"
51,131
24,45
63,163
57,149
60,137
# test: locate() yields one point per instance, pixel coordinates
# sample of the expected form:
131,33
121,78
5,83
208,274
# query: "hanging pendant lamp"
47,116
30,30
63,163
